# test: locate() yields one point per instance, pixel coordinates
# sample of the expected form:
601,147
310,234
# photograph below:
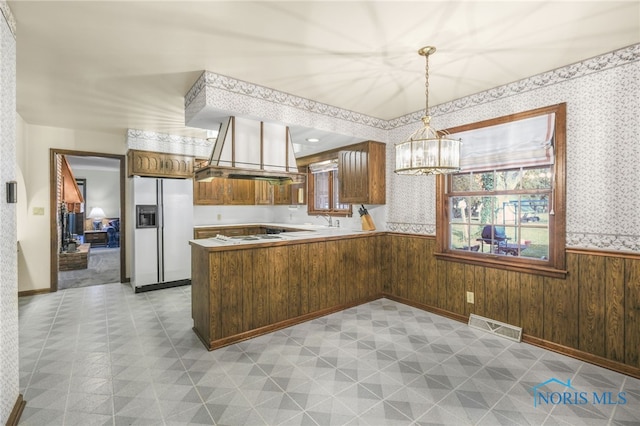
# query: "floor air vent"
511,332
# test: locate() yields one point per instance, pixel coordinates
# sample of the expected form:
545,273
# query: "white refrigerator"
163,227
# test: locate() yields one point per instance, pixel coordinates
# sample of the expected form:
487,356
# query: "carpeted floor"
103,268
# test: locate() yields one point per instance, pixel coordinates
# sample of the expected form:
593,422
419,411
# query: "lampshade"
96,213
427,151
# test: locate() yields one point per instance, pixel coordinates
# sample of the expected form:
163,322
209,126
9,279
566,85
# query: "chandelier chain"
426,85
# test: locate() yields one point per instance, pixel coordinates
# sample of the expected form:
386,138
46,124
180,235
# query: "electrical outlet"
470,297
219,216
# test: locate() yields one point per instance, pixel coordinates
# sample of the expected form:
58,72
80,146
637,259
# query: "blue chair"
111,236
113,233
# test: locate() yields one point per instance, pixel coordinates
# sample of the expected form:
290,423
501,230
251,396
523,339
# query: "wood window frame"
332,211
555,266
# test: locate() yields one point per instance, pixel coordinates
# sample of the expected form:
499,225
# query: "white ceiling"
110,66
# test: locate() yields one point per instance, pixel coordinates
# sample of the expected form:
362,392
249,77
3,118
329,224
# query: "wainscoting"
593,314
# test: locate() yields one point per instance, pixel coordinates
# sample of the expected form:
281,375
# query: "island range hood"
255,150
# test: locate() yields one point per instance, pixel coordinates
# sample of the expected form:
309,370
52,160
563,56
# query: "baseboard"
33,292
18,407
160,286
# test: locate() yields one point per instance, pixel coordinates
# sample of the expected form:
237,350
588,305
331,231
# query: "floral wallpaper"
603,148
9,386
603,139
162,142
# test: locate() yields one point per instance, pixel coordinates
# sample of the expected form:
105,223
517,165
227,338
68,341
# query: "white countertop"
306,232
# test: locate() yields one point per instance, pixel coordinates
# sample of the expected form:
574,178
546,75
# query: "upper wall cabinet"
220,191
361,173
158,164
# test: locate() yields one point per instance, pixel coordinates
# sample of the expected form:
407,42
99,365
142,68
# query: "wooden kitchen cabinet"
209,193
361,173
280,195
240,192
221,192
158,164
264,193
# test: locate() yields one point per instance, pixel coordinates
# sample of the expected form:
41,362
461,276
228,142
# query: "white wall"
34,164
103,189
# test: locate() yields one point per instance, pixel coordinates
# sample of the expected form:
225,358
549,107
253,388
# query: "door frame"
53,208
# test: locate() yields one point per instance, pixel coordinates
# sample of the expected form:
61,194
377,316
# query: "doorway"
73,236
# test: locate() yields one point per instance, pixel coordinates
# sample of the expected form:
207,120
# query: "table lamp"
97,214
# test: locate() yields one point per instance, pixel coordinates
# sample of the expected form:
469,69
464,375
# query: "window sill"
491,262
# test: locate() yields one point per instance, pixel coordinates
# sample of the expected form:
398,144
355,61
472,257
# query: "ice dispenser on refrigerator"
147,216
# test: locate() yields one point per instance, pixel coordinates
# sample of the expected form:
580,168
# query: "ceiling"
110,66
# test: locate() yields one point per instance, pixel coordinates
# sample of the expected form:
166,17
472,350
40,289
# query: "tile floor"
105,356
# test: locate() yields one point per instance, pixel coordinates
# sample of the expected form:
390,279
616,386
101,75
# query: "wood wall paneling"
532,302
591,303
231,286
261,284
454,288
317,268
363,261
383,264
431,273
200,312
215,326
334,291
632,309
479,292
399,271
415,269
441,284
278,298
247,289
614,308
513,296
561,309
496,289
346,277
294,275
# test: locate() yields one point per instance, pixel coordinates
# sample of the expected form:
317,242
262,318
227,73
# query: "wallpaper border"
209,79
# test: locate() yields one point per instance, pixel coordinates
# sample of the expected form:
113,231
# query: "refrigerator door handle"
160,234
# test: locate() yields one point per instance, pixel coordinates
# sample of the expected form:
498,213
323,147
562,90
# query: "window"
505,208
323,193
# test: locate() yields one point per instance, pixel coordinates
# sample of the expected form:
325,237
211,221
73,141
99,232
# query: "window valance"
523,143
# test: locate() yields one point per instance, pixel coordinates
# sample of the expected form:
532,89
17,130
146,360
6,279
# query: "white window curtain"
523,143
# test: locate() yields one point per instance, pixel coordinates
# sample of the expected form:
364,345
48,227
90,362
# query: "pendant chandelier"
427,151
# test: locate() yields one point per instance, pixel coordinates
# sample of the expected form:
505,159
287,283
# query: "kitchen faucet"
327,218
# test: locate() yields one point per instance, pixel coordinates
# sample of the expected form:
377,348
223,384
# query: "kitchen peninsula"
248,285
